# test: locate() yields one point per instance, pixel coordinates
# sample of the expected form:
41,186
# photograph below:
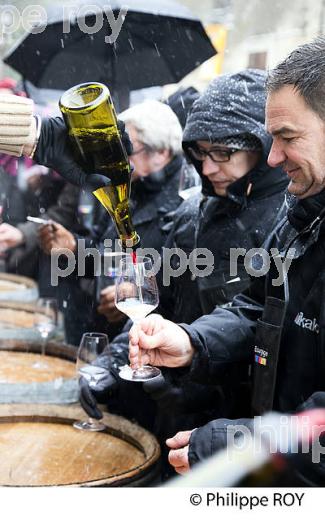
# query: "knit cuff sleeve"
16,124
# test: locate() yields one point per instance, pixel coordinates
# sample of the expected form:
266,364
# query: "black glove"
89,397
53,150
316,400
167,396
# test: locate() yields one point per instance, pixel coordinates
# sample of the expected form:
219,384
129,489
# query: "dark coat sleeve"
226,335
214,436
220,433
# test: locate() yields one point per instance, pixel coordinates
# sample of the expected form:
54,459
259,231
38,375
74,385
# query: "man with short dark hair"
280,329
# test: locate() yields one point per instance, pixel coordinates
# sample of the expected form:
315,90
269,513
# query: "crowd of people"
230,347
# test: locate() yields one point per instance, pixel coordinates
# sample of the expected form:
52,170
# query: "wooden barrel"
40,447
28,377
17,322
17,288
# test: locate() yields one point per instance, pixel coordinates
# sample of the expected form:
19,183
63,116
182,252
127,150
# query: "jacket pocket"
219,288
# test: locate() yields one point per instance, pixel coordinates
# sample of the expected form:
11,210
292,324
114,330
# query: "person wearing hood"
226,140
278,323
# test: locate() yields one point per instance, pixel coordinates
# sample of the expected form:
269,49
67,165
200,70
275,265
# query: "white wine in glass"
136,295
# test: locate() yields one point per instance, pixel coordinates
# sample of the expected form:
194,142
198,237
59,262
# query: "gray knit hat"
247,142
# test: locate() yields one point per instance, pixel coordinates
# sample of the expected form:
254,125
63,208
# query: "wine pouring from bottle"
89,114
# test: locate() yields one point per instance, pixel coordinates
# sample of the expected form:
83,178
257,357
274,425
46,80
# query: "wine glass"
46,321
189,181
136,295
92,344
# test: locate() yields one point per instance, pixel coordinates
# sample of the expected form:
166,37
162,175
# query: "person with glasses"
226,140
215,156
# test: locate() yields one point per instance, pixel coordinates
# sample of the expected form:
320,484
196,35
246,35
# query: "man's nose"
276,155
209,166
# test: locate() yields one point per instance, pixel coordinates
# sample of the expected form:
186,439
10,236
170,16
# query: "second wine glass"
136,295
45,321
92,344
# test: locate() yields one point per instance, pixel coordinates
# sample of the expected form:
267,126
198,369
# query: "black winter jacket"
219,224
229,335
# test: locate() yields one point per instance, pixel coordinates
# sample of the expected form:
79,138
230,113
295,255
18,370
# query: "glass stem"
93,421
139,353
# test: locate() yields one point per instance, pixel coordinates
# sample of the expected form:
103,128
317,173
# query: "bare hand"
161,343
178,455
54,236
10,236
107,305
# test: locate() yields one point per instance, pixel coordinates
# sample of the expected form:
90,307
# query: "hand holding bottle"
96,138
55,152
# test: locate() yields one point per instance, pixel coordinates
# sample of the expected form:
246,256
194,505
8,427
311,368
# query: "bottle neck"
130,245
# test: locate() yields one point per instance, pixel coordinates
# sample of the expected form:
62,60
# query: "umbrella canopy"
159,43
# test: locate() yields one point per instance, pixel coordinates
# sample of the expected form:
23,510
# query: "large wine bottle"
90,116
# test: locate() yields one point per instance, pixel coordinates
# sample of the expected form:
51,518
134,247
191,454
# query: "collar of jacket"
259,183
156,180
303,211
303,225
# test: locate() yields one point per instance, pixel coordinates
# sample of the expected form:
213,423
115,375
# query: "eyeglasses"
216,155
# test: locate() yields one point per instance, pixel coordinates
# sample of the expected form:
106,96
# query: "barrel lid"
40,447
28,377
17,288
17,322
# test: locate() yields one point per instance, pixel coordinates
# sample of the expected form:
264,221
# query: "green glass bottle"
90,116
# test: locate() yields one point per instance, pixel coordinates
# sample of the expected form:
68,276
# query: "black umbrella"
159,43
